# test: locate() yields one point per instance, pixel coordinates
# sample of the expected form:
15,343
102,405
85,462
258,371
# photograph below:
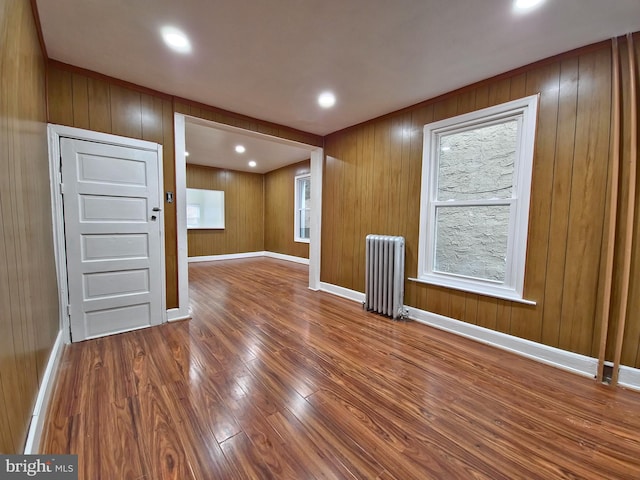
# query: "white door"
112,220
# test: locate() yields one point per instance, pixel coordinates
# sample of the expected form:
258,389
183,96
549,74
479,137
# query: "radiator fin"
384,282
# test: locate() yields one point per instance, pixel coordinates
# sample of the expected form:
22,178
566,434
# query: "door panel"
113,237
94,208
114,247
116,171
119,319
108,284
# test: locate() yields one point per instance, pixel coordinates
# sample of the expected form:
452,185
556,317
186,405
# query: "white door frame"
55,132
317,157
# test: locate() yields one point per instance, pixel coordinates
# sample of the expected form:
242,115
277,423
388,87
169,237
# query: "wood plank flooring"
272,380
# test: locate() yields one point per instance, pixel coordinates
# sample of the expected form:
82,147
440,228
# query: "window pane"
306,196
303,192
472,241
477,164
304,222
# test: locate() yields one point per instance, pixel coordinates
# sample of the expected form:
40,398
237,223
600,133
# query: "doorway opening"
314,153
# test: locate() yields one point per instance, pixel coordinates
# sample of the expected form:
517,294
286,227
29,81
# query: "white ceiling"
214,145
270,59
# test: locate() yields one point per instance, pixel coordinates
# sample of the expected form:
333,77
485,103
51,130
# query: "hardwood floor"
272,380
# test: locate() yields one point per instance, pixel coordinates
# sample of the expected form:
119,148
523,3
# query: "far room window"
476,183
302,208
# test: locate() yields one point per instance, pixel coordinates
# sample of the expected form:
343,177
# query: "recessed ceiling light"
186,154
240,148
252,164
326,100
525,5
176,40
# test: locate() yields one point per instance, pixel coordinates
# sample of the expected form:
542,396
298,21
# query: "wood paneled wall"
85,99
78,99
28,288
372,185
279,210
244,212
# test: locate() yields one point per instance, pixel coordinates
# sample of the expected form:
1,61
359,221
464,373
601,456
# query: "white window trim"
525,109
296,208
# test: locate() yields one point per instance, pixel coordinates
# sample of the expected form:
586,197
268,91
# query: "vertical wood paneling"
411,187
60,97
394,181
170,222
419,118
28,287
586,214
99,104
244,217
126,112
331,193
470,309
367,192
151,121
279,210
80,95
349,157
381,213
359,248
466,102
526,322
567,208
80,100
500,91
560,202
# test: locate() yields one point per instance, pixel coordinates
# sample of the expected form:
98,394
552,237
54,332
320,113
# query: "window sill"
512,297
301,240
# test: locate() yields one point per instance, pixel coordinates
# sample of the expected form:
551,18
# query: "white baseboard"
342,292
289,258
230,256
177,314
573,362
234,256
32,445
629,377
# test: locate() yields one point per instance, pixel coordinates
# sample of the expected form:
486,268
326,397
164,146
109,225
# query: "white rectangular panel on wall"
205,209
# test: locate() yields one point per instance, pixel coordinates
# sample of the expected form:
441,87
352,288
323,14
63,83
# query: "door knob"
156,209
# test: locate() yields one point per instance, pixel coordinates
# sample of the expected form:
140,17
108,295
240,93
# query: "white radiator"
384,280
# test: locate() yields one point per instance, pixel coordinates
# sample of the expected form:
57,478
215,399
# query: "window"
302,219
476,182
